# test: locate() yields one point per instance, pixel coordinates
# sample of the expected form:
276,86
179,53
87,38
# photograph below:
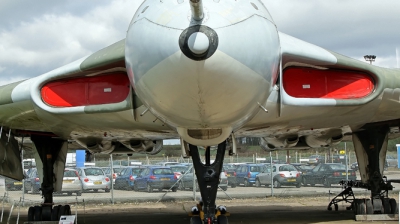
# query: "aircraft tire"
38,213
369,207
386,206
222,219
54,213
393,206
31,214
195,220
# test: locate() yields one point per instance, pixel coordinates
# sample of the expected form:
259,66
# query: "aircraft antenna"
196,6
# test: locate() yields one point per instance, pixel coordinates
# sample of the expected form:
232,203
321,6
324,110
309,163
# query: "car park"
29,163
179,170
246,173
391,161
354,166
303,168
155,177
328,174
166,163
93,178
186,181
334,159
316,159
127,177
114,175
282,175
12,185
32,182
230,173
71,183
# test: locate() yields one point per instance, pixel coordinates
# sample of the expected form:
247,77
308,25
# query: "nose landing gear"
208,178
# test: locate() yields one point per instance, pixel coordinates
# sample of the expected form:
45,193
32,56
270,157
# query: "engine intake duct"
109,147
323,141
144,146
272,143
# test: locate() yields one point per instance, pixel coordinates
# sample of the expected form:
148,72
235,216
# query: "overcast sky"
38,36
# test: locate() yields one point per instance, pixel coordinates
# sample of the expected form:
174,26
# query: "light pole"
370,58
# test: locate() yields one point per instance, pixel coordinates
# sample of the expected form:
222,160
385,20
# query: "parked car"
230,173
71,183
282,174
316,159
12,185
354,166
246,173
116,169
327,174
32,182
186,181
29,163
127,177
179,170
166,163
155,177
391,161
334,159
93,178
303,168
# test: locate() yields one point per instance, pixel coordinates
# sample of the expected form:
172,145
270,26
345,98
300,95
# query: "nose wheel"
197,215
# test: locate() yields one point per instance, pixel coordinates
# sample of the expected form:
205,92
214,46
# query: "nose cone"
213,84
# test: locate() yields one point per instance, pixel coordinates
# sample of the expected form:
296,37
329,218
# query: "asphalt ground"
255,211
248,205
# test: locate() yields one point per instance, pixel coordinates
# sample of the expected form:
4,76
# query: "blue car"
246,173
155,177
32,182
125,179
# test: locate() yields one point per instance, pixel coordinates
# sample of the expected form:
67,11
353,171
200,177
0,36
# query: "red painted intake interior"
332,84
101,89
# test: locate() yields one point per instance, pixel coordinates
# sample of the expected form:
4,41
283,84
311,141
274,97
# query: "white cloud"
352,28
52,37
50,40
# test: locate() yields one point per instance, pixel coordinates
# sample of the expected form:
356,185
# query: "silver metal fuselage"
221,92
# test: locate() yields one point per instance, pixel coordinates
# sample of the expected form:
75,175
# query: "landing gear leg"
48,149
208,179
370,147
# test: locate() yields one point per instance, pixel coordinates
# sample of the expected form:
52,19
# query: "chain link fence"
15,199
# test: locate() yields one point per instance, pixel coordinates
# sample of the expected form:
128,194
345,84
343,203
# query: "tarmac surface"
248,205
255,211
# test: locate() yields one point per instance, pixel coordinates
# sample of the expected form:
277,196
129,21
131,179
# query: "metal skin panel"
220,92
234,89
5,93
109,57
